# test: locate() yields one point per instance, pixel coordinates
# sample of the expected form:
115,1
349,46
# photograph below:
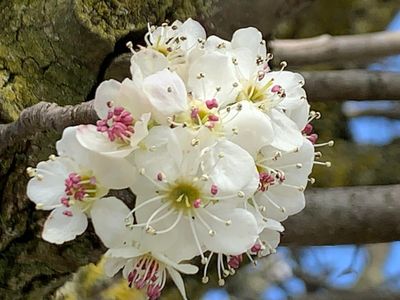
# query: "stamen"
196,238
172,226
226,222
154,199
327,164
205,277
329,144
211,232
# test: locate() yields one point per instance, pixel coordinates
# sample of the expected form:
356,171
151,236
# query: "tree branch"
326,48
346,215
43,117
352,85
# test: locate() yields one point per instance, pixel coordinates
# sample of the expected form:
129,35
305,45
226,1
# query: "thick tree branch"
326,48
347,215
44,117
352,85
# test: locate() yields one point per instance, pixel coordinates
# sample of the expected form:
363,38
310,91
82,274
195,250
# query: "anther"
160,176
211,232
241,194
169,89
311,180
52,157
221,154
200,76
142,171
204,260
39,177
129,45
150,230
299,165
204,177
235,84
30,171
228,222
221,282
195,142
214,189
39,205
318,154
204,279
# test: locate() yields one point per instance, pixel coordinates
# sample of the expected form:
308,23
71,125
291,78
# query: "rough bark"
352,85
55,51
327,49
265,15
350,215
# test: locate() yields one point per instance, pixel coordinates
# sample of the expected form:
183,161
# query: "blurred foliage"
90,283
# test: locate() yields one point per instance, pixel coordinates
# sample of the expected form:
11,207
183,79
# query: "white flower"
279,95
191,190
145,263
283,178
70,184
124,112
167,46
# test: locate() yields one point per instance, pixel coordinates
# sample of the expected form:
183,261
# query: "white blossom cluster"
216,147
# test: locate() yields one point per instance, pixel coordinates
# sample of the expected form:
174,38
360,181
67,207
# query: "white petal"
231,168
193,31
231,239
90,138
60,228
249,38
246,63
167,94
47,191
148,61
107,91
111,172
287,135
214,43
182,268
141,130
108,218
113,264
290,199
177,278
133,98
125,252
272,239
218,72
253,129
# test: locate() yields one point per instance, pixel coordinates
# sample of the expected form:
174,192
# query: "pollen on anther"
241,194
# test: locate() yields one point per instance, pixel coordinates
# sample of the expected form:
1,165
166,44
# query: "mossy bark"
55,51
